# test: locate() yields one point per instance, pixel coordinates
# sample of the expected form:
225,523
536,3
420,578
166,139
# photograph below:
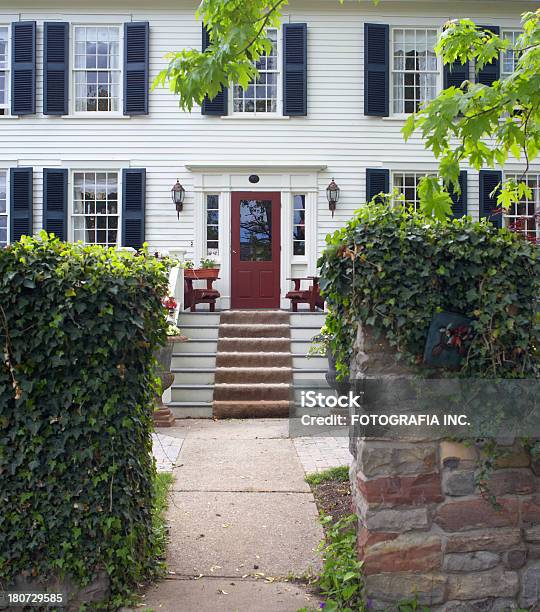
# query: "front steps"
240,364
261,386
194,366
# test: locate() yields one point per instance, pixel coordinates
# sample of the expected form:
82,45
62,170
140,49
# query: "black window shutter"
136,67
489,179
459,202
55,68
23,68
55,196
295,69
376,69
455,74
219,105
133,207
21,202
377,181
490,72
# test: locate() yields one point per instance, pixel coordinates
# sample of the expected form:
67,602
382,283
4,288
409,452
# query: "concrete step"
301,362
198,332
251,409
191,410
254,345
315,319
252,392
303,333
253,375
300,347
201,345
253,330
198,318
309,374
194,376
192,393
258,360
193,360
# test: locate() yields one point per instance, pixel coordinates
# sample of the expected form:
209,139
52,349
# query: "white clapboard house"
90,153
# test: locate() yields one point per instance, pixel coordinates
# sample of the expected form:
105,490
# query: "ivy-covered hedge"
393,269
78,327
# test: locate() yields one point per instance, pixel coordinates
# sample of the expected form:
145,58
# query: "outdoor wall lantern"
177,194
332,193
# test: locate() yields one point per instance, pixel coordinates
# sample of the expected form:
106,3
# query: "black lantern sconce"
177,194
332,193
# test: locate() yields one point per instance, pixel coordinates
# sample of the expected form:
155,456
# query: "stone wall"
425,531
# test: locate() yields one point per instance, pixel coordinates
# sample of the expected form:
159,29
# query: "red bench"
311,296
192,296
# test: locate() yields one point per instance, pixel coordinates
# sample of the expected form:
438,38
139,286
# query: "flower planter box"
202,273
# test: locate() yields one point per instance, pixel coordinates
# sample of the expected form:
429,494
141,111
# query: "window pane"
261,96
95,208
3,209
97,74
212,225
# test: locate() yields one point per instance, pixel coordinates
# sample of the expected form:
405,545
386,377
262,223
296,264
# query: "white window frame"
73,70
7,71
418,174
205,226
439,73
71,187
300,258
7,173
508,218
279,89
513,31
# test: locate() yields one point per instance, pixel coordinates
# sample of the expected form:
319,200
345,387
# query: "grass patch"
337,474
162,484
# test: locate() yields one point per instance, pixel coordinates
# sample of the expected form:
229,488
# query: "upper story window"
3,209
524,216
95,215
261,96
510,56
212,225
97,69
299,225
407,185
415,68
4,69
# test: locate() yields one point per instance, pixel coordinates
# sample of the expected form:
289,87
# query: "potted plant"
208,269
321,346
163,416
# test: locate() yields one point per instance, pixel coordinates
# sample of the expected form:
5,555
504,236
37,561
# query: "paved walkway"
242,520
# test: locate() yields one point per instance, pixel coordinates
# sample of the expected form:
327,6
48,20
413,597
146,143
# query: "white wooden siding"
335,132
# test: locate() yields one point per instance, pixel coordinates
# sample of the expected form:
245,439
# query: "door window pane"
255,230
212,225
299,225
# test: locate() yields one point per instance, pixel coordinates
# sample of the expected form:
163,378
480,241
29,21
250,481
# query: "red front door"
255,252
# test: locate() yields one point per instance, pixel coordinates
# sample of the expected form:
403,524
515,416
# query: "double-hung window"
97,68
95,215
4,222
212,225
299,225
415,68
510,56
524,216
406,184
261,96
4,69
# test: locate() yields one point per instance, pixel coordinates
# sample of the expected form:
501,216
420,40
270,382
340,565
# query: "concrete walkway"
242,520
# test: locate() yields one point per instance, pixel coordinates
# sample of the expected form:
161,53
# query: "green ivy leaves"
393,269
75,446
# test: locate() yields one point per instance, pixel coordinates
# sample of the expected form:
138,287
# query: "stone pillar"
426,532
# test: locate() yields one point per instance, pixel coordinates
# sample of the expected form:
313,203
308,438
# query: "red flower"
169,302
